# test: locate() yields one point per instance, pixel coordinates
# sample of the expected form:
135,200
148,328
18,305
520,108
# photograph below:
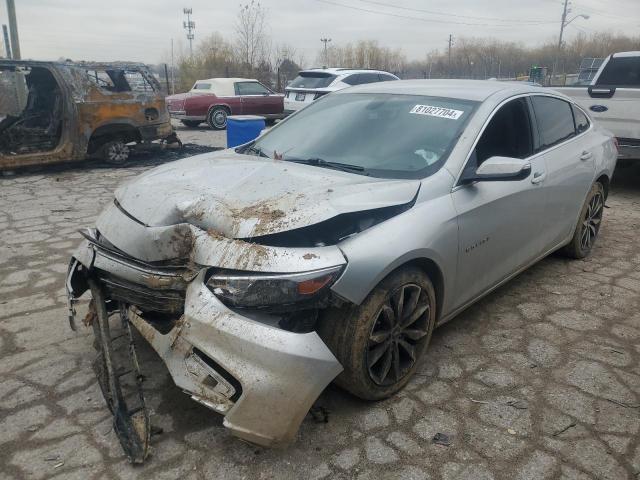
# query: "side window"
554,119
386,78
508,134
582,122
352,79
251,88
138,82
621,72
369,78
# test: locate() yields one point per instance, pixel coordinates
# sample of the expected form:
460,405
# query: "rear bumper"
156,132
628,148
261,378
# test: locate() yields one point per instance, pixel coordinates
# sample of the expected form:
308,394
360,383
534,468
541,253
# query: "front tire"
217,118
588,225
380,342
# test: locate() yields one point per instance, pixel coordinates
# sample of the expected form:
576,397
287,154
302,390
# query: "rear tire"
190,123
588,225
115,152
217,118
379,353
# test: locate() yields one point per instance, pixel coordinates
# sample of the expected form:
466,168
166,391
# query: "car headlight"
264,290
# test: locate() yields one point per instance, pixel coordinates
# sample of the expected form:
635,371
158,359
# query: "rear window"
202,86
554,119
312,80
621,72
582,122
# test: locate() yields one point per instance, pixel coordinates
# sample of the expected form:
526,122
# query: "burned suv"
57,112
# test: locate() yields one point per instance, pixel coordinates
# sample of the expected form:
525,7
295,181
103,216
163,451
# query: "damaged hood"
240,196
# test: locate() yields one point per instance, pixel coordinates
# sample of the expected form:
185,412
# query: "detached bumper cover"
280,373
261,378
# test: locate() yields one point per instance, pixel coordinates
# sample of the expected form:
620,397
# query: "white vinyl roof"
222,87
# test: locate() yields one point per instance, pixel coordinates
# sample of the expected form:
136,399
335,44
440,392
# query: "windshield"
384,135
312,80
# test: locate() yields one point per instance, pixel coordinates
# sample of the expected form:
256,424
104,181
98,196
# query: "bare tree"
251,38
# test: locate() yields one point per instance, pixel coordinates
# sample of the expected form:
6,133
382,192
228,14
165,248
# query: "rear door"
569,152
258,99
500,223
615,98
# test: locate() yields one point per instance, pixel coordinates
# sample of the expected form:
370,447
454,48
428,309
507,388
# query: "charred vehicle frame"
54,112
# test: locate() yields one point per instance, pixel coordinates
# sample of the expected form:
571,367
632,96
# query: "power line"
472,17
421,19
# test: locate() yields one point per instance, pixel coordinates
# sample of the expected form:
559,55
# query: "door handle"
538,177
586,155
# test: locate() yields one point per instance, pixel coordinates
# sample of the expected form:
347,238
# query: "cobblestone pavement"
539,380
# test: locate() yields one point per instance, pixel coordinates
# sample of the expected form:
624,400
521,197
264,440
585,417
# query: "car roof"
345,71
475,90
224,80
626,54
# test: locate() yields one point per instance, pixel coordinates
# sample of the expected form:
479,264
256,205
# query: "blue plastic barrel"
243,128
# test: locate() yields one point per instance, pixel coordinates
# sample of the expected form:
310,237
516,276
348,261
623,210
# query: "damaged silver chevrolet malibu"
329,248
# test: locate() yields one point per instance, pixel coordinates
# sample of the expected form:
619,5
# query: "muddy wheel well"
107,133
604,180
435,275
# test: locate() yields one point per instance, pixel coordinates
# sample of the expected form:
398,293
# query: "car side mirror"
495,169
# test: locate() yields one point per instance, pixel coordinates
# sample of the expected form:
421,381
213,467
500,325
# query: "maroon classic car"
214,99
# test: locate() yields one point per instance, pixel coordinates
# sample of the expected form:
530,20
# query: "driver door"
257,99
500,222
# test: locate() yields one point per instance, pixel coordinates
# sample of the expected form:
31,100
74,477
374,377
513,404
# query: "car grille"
146,298
152,288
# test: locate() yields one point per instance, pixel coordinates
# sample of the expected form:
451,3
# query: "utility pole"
326,55
13,29
450,45
189,26
7,45
562,23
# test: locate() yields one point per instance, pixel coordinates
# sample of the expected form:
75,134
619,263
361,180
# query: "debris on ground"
441,439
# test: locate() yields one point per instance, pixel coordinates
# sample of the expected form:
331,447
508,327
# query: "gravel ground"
541,379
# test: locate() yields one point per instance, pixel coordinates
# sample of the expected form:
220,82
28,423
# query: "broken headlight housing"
267,290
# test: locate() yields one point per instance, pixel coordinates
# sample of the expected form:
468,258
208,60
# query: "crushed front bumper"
261,378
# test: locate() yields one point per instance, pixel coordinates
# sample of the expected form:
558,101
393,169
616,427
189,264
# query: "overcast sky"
141,30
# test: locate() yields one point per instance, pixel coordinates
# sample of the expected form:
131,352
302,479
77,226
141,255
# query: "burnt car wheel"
588,225
191,123
115,152
217,118
380,342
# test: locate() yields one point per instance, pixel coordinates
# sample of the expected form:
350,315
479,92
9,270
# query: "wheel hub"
397,335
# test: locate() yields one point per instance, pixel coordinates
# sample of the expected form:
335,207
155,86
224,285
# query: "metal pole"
7,45
450,44
173,69
166,77
13,29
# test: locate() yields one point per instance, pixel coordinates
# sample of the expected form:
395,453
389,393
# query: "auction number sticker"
439,112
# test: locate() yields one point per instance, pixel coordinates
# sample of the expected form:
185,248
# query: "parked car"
613,99
214,99
330,250
312,84
53,112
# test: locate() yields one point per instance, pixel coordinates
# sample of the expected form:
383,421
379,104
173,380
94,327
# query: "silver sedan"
332,246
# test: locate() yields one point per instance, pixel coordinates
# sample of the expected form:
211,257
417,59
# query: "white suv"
312,84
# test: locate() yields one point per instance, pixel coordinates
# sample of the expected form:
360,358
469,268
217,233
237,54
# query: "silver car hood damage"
241,197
